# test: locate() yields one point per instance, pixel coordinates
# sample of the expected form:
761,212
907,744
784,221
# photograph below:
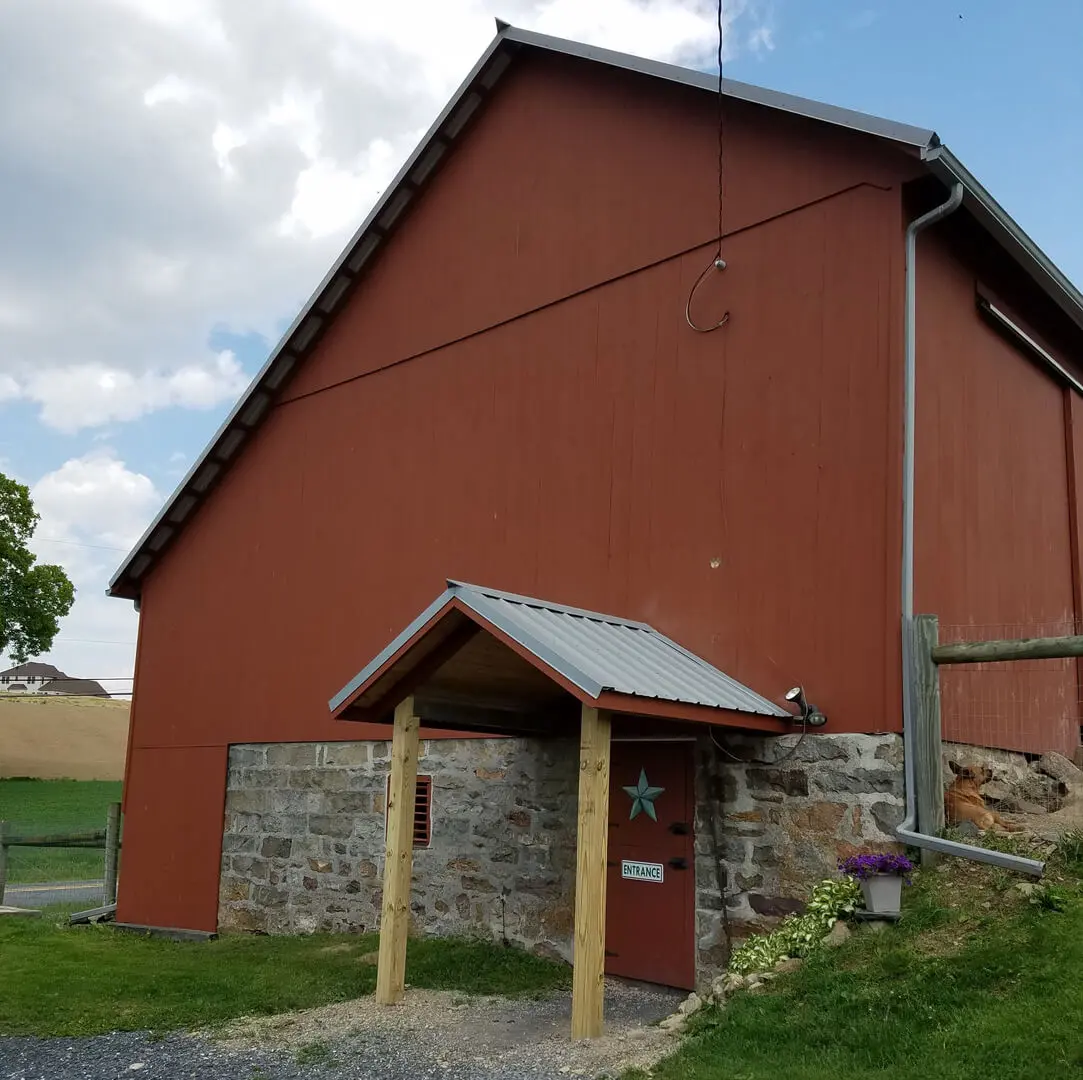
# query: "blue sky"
1001,83
174,188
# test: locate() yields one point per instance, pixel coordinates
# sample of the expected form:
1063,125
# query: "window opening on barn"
422,810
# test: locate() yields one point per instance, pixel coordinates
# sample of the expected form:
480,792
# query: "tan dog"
963,801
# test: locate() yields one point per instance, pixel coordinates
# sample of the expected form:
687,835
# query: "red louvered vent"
422,811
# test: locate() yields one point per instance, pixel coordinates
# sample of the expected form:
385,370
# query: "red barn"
497,383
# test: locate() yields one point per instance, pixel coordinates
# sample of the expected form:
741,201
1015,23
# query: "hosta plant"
798,935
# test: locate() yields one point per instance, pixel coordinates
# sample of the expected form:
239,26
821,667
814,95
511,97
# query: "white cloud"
95,499
761,39
88,395
171,88
328,199
173,167
93,508
183,165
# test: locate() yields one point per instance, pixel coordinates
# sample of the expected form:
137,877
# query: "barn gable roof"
328,299
619,663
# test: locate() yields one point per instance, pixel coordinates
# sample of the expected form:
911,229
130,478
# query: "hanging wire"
760,761
717,263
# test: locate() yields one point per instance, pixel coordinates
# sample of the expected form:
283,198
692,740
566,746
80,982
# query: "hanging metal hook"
718,263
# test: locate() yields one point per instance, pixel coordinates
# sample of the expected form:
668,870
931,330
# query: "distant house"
35,678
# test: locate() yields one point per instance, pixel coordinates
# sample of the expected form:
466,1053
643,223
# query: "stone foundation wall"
303,848
776,821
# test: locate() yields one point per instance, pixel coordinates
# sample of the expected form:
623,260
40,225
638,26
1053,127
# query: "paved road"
88,893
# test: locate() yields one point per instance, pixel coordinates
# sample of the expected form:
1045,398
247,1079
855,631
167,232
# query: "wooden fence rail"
989,652
929,655
107,839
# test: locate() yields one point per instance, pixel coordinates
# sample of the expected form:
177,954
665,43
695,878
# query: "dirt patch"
57,738
441,1030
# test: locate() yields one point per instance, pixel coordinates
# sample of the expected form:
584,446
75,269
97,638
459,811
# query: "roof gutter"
907,831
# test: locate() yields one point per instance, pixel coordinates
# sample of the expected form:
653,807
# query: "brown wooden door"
650,890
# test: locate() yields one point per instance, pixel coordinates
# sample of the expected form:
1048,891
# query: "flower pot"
883,893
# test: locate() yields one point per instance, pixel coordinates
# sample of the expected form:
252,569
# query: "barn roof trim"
591,654
318,313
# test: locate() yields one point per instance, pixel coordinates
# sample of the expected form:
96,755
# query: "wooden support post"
3,859
588,973
112,849
929,784
399,857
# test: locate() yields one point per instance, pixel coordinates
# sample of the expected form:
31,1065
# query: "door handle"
680,828
678,864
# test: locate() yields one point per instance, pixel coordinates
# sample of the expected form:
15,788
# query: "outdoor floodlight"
807,714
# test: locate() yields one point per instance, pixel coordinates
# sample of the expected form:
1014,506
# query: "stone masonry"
303,848
776,821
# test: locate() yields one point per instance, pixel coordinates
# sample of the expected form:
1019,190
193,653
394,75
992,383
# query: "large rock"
727,985
789,965
839,935
674,1025
1060,768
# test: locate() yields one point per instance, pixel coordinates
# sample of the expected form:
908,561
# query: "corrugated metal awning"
616,663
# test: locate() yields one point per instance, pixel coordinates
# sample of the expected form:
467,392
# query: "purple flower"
863,867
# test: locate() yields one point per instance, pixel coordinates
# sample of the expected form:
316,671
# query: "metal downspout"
906,832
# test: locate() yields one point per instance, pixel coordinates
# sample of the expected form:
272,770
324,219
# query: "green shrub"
798,935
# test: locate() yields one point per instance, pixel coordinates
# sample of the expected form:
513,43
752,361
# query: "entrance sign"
641,871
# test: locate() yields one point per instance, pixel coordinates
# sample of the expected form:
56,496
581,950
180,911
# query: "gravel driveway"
434,1034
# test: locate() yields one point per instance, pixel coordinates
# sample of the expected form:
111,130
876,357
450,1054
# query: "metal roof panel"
594,652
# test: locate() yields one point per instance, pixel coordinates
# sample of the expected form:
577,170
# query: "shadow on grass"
62,980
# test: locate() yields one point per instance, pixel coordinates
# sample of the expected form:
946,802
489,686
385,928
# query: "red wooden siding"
575,175
514,398
994,554
595,453
174,805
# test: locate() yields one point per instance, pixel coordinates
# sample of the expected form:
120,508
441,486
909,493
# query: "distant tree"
34,597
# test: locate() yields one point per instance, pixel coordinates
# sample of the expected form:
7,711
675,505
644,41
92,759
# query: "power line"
76,678
79,543
90,641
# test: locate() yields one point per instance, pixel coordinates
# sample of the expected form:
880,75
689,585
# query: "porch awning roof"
472,639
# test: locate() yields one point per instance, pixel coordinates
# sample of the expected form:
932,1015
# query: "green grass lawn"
62,980
33,807
975,982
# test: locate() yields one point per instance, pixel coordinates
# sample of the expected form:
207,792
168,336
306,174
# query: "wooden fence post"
3,859
929,785
112,847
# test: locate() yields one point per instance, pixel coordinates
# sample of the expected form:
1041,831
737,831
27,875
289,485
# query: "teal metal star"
643,796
